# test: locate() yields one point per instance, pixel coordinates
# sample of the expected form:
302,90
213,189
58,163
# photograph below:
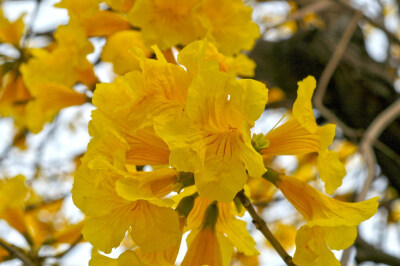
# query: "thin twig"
328,73
29,31
379,25
263,228
62,254
370,137
16,253
309,9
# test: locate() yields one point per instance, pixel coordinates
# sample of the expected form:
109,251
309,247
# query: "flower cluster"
191,122
192,125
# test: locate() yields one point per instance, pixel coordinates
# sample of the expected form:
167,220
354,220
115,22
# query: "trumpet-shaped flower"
301,135
212,137
225,23
330,223
13,98
143,147
11,32
129,257
94,21
227,223
194,55
133,100
117,51
49,76
13,193
115,200
217,251
120,5
229,25
167,23
48,100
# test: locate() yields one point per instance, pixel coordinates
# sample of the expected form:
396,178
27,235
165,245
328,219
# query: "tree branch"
309,9
371,135
328,73
263,228
367,252
16,253
379,25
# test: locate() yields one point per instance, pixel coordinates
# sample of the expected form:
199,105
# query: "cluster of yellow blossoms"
188,121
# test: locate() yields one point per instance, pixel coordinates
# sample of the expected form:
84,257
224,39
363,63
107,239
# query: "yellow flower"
225,23
50,76
234,229
261,190
120,5
13,193
117,51
96,22
143,147
11,32
129,257
133,100
246,260
313,244
13,98
48,100
301,135
116,200
62,64
206,247
165,257
322,210
284,233
105,23
167,23
229,25
330,223
78,10
194,55
212,137
146,148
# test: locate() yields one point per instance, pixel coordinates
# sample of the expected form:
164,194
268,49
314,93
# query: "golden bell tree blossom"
13,193
229,25
212,137
143,147
194,55
120,5
11,32
94,21
116,200
225,23
115,197
219,249
117,51
133,100
227,223
50,76
302,135
167,23
13,98
217,252
331,224
129,257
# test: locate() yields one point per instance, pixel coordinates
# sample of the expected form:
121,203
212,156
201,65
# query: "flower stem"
263,228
